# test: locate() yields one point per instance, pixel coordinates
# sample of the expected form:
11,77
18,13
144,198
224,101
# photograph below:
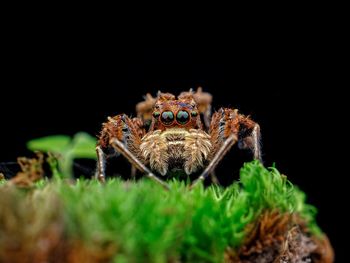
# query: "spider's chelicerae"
168,135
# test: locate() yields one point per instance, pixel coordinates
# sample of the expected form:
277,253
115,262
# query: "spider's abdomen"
176,149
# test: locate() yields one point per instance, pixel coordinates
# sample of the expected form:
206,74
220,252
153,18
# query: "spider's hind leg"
204,100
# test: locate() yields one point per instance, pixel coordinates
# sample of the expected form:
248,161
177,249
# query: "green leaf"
55,144
84,146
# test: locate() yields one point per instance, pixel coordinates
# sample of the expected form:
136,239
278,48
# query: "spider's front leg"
227,128
121,128
249,136
122,135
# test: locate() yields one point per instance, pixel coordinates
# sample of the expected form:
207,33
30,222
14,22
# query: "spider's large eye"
182,117
167,117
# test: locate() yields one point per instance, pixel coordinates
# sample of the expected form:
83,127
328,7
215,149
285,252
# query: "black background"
288,86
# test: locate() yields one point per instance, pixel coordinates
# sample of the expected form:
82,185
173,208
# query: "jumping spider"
168,135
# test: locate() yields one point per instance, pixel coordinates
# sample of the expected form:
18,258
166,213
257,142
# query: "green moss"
145,223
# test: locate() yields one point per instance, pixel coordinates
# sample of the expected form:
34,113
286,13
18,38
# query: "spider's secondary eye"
194,113
167,117
156,114
182,117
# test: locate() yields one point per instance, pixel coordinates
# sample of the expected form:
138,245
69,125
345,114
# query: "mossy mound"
260,218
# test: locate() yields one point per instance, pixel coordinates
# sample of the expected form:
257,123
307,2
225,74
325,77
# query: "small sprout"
64,150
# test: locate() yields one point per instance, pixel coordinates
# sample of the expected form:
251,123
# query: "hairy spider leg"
120,147
225,147
101,165
256,142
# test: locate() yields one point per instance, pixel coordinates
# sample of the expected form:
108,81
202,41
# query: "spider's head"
171,112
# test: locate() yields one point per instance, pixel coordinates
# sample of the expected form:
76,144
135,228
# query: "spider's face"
169,112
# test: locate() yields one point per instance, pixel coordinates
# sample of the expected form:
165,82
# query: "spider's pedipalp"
154,148
197,147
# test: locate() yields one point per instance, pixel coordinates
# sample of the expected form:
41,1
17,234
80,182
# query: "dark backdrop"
288,88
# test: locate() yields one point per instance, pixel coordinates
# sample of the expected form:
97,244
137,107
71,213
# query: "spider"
176,133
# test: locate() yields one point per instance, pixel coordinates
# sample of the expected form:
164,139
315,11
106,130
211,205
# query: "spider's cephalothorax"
176,139
168,135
